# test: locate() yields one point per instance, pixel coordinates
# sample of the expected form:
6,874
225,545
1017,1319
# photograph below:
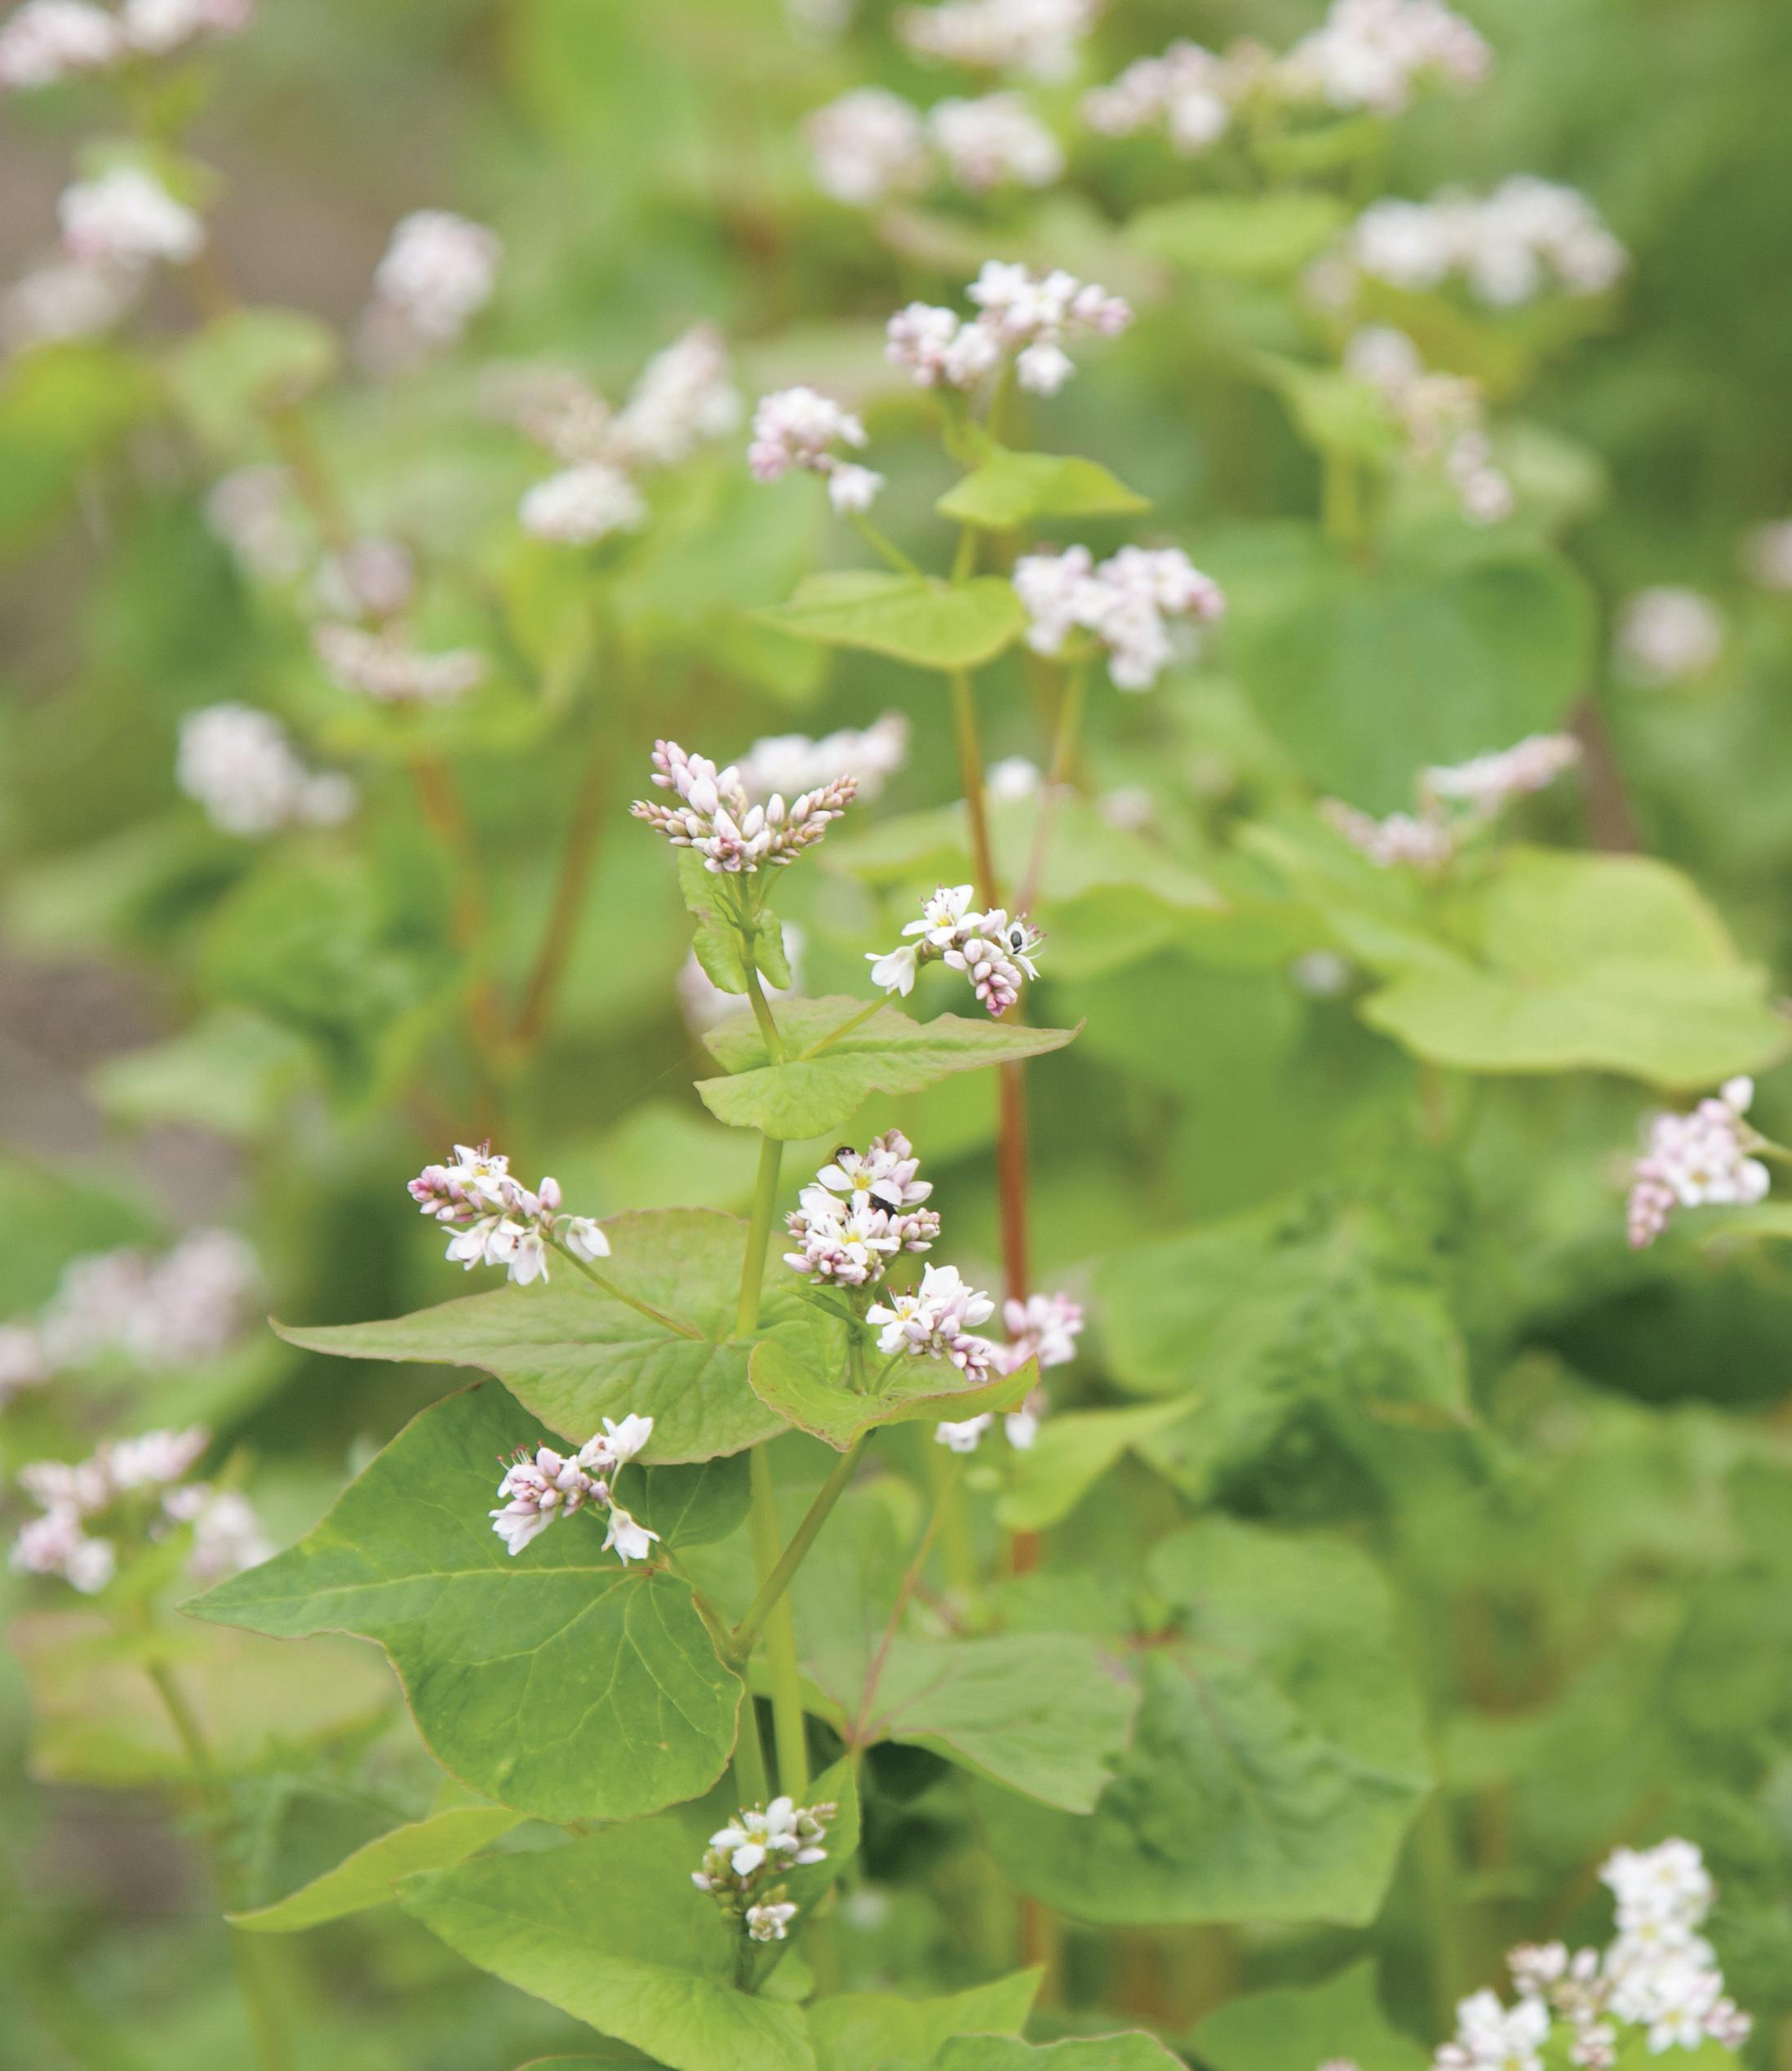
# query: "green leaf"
1246,237
1134,2051
1014,488
1278,1759
1591,962
1294,2029
610,1930
861,2029
1046,1714
230,1072
573,1356
1336,412
366,1878
717,940
1368,676
796,1376
933,625
888,1054
1070,1454
244,364
555,1682
60,409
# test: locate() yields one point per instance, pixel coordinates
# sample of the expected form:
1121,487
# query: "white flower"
1489,783
631,1541
1373,53
622,1441
1030,314
584,1237
867,146
1041,38
370,577
1669,634
582,505
683,399
1044,1326
770,1923
887,1172
46,42
227,1534
1126,603
1014,777
1528,234
1399,841
894,969
996,142
794,428
69,298
995,953
852,488
848,1242
438,272
964,1437
383,666
937,1320
538,1490
794,762
55,1545
158,26
1695,1161
238,763
730,832
126,218
1189,89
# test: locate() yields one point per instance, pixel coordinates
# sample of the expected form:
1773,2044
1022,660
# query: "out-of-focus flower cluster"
1700,1159
1658,1977
871,143
542,1485
1045,1328
47,42
188,1305
684,398
1020,312
1454,803
1127,603
744,1865
795,762
437,273
1527,236
798,428
995,952
1040,39
716,817
496,1220
128,1487
382,664
1669,634
1441,415
240,766
115,228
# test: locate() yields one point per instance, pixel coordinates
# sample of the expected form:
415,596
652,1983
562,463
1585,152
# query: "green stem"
947,1485
603,1281
965,559
956,1547
801,1540
752,1264
837,1034
788,1729
750,1786
1065,739
887,548
970,770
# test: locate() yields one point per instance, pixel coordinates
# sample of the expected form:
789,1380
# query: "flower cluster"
863,1207
185,1307
795,762
1527,235
1658,1979
47,42
871,143
1040,38
683,399
1045,1328
995,952
937,1320
795,428
384,666
716,817
1440,415
1190,89
437,273
126,219
1455,802
496,1221
1701,1159
129,1485
541,1485
1019,311
747,1859
1126,603
239,764
1669,634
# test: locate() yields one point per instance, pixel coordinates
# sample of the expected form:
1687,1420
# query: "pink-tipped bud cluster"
1128,603
1019,311
541,1485
714,817
1454,803
1701,1159
994,950
864,1207
938,1319
496,1221
798,427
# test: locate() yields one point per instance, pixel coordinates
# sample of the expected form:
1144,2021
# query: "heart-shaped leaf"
859,2028
555,1681
933,625
1248,237
1014,488
824,1083
366,1878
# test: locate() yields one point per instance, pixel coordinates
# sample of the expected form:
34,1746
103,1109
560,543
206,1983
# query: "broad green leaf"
230,1072
933,625
610,1930
1294,2029
1336,412
1070,1454
555,1681
573,1356
1279,1754
243,364
366,1878
1248,237
1128,2052
604,2060
860,2030
1012,489
1592,962
817,1094
1368,676
61,409
717,939
797,1376
1046,1714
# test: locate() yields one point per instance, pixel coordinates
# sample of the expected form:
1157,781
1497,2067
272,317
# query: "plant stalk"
801,1540
788,1730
